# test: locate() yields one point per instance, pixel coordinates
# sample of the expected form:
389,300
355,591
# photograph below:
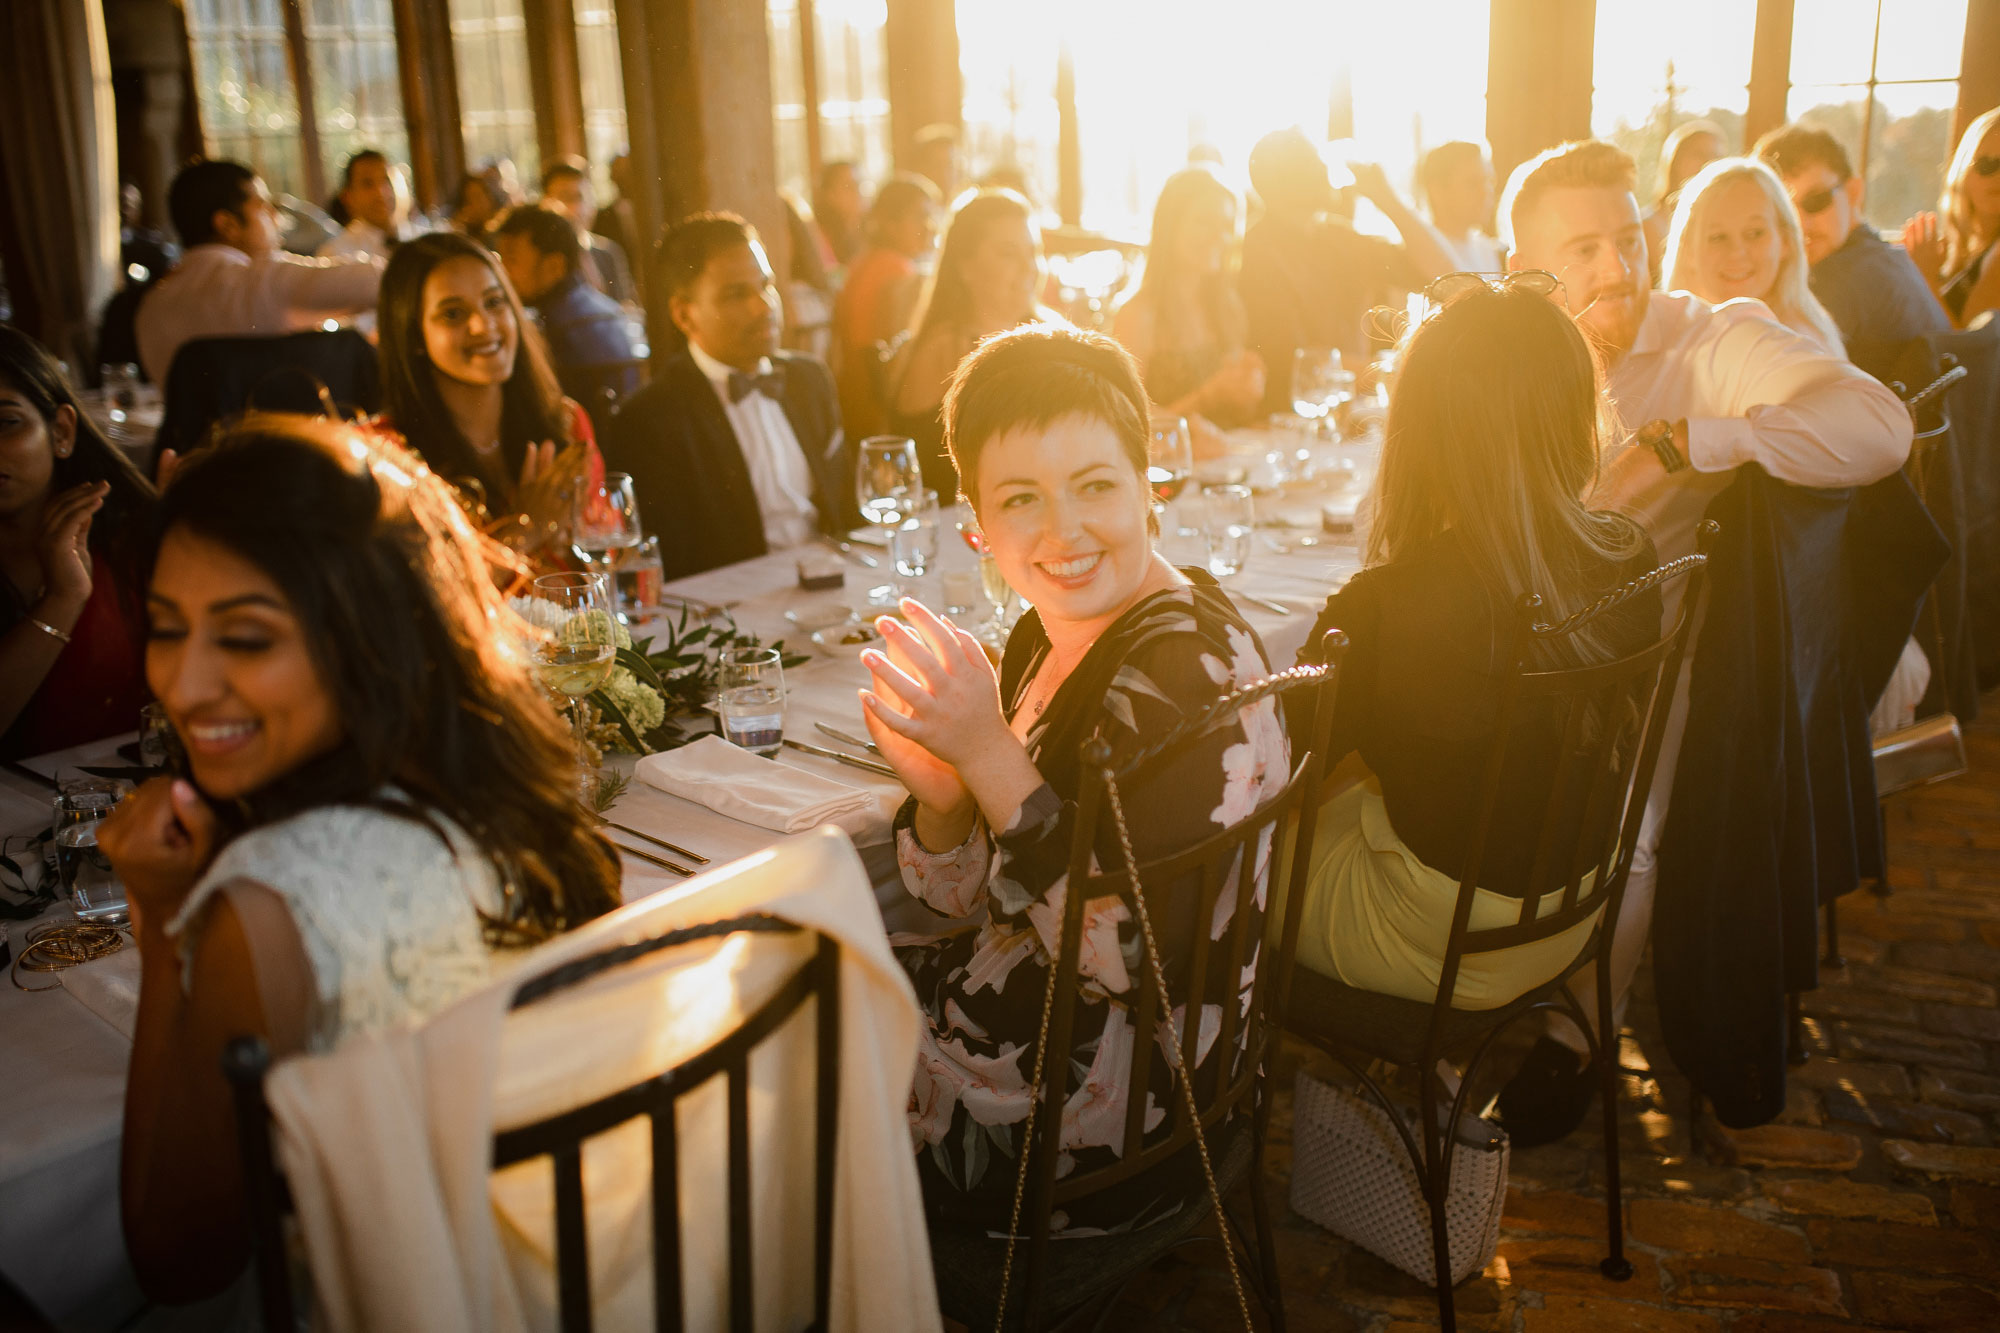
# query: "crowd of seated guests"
247,597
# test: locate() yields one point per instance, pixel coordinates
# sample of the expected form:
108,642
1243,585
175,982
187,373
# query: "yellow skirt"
1377,918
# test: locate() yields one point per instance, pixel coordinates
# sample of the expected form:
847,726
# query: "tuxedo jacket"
688,469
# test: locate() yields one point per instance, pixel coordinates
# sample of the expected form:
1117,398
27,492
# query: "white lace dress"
389,912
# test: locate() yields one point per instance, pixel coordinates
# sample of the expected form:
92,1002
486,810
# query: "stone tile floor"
1874,1202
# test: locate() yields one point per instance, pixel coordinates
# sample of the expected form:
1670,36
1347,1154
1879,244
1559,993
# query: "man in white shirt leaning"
1704,389
234,280
735,447
376,195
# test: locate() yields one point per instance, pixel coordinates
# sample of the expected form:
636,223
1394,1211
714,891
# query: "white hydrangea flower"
640,703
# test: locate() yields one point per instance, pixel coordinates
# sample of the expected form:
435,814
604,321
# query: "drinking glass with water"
1228,521
914,546
750,698
86,876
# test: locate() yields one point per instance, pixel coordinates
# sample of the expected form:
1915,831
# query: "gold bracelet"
46,628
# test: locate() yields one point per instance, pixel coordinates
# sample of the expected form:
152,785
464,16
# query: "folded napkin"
731,781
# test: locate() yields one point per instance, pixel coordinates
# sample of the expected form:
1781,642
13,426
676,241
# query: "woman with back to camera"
1734,234
466,379
378,799
1483,495
988,278
1954,246
1047,426
1185,323
74,516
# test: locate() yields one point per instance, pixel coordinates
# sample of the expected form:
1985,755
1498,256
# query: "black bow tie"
770,383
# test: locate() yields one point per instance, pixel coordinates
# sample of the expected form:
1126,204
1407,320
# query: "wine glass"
1320,383
604,524
1169,462
578,656
998,595
888,477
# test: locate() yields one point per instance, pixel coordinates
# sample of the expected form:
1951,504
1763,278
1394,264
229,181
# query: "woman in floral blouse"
1048,429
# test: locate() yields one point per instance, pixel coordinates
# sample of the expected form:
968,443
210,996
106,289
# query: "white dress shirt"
218,291
1474,252
1753,391
779,472
358,238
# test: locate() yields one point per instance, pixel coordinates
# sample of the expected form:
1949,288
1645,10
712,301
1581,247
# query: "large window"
243,77
1653,75
357,98
847,60
1007,68
489,39
603,80
1883,79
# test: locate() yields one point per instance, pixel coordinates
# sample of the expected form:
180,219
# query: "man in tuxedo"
735,447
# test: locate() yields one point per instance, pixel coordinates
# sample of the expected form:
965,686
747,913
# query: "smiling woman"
1734,234
1048,425
372,781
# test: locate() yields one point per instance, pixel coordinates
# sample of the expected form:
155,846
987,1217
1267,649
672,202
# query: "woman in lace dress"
376,800
1048,426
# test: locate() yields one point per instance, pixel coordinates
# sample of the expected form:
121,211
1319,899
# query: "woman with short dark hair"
378,800
1048,429
74,513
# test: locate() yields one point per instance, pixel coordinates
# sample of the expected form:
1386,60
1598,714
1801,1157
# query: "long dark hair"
119,531
417,648
947,298
532,405
1493,433
1215,293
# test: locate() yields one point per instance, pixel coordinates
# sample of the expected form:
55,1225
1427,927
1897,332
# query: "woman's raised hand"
160,840
63,546
1925,247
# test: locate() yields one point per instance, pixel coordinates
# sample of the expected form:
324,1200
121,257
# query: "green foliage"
683,669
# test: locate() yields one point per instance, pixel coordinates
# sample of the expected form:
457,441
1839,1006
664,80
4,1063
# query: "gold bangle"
46,628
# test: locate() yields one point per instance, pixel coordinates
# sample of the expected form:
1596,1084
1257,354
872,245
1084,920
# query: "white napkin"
731,781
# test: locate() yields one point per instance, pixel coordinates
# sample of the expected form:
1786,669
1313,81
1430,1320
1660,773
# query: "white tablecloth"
64,1064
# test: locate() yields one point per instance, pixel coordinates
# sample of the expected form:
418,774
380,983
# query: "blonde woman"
1491,451
1954,246
1734,234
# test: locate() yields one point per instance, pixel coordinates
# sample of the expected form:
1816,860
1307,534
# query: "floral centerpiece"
655,697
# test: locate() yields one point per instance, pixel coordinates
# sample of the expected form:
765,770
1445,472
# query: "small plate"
847,640
819,615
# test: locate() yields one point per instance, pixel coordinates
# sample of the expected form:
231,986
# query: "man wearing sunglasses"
1874,292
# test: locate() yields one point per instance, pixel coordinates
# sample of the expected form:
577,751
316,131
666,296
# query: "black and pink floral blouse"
1001,899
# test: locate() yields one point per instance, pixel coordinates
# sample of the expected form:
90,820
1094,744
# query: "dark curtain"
60,169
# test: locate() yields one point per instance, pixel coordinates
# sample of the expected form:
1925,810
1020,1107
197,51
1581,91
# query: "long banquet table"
65,1050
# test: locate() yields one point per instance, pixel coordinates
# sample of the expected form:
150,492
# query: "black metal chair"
561,1137
1610,718
213,379
1078,1277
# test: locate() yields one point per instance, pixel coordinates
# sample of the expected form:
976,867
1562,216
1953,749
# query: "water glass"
1320,383
87,877
604,522
914,546
1228,521
641,575
120,383
750,698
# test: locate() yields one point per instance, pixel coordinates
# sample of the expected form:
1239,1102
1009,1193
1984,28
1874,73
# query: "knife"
656,860
848,759
846,739
853,552
695,857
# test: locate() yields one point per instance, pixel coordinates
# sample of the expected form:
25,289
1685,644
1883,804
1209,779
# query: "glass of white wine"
998,595
578,655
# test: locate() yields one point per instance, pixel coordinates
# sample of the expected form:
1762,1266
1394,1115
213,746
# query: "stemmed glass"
1320,383
998,595
578,656
1169,463
888,478
604,525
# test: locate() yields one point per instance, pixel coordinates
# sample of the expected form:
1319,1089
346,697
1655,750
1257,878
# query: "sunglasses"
1987,166
1456,286
1816,202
